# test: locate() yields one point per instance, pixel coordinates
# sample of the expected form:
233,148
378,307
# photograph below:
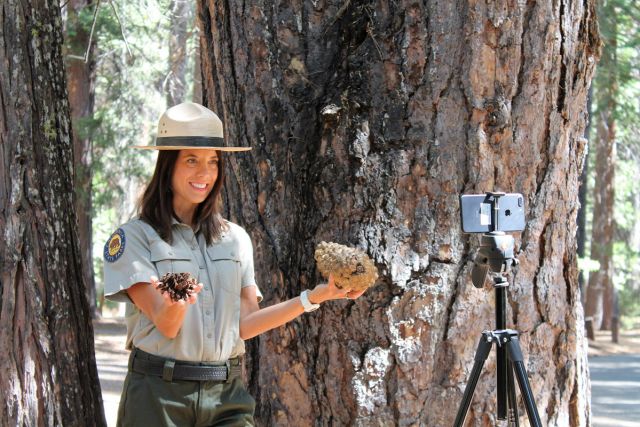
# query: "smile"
198,186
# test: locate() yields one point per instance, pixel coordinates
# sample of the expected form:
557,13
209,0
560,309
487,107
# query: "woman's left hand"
329,291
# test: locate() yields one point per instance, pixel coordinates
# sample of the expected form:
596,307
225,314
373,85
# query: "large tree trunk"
367,120
600,298
80,85
49,375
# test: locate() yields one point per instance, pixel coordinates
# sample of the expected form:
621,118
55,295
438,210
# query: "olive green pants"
151,401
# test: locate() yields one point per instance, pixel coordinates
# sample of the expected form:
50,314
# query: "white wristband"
308,306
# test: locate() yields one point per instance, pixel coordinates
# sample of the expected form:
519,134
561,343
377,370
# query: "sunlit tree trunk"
48,371
600,293
197,74
367,120
581,232
80,85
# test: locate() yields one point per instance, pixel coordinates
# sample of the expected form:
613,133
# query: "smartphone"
475,212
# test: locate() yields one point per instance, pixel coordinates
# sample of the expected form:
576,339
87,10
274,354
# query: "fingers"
350,294
355,294
165,296
198,288
344,293
193,295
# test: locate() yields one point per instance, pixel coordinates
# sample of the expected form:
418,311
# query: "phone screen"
476,209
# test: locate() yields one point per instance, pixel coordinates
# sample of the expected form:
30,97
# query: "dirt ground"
111,358
628,343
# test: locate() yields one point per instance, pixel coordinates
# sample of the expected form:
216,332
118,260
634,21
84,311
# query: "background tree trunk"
367,120
600,297
197,72
49,375
80,85
181,21
599,304
581,222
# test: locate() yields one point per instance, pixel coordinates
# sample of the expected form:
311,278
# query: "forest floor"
614,392
111,358
628,343
615,379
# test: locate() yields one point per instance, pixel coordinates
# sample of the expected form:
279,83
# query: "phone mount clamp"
496,255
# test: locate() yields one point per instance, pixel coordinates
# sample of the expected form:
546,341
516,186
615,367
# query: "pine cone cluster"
351,268
179,286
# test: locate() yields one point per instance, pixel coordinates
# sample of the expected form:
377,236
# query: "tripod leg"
502,368
512,416
482,352
515,353
501,353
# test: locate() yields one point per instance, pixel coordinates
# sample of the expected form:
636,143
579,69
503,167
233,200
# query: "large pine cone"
351,268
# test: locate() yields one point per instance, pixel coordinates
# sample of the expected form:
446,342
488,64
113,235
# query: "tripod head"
495,254
486,213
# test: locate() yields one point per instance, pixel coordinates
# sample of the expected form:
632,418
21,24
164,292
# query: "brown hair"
156,204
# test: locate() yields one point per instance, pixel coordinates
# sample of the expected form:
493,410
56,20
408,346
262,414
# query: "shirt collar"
177,222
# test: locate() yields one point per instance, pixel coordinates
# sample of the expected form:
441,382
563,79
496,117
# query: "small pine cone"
178,285
351,268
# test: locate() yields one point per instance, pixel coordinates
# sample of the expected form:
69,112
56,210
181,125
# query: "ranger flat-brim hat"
190,126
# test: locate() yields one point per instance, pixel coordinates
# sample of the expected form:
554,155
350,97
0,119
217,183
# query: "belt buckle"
167,370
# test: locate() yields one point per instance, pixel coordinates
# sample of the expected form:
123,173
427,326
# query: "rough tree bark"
600,298
80,85
180,23
367,120
49,375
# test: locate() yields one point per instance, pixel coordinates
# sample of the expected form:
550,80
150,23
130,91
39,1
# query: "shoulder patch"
114,248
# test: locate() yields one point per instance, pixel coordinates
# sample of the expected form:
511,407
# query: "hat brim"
186,147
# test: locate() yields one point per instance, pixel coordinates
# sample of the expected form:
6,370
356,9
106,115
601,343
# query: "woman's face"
194,174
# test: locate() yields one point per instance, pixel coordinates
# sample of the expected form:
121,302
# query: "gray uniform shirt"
211,328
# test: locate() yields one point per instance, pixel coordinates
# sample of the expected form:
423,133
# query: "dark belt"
169,369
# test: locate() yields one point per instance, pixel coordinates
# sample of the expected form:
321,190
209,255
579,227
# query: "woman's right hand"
191,299
165,313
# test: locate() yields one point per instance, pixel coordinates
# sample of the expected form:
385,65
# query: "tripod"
496,253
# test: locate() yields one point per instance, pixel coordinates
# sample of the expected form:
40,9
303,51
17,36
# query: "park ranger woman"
185,355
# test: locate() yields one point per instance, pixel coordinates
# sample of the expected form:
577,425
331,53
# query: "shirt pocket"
226,268
169,259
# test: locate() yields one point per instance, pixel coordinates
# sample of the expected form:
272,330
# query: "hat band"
190,141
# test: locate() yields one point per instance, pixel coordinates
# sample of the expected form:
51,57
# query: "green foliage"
128,103
129,99
617,90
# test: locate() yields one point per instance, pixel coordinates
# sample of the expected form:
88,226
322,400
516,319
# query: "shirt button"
209,336
208,312
232,254
170,253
